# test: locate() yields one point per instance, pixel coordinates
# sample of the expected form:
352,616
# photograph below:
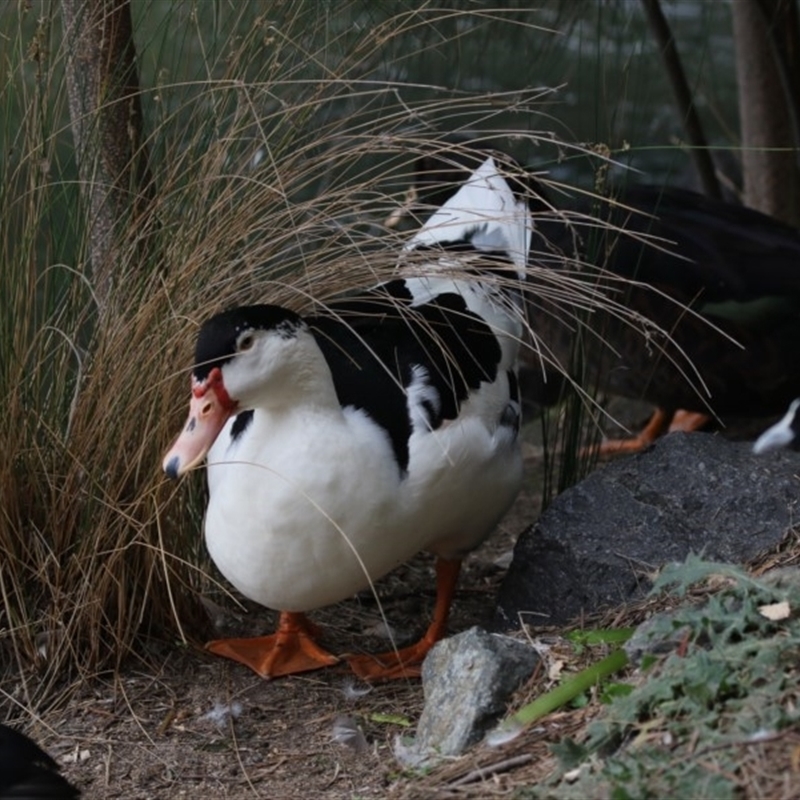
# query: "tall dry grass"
276,148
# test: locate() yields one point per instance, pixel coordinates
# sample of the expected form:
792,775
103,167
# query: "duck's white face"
241,356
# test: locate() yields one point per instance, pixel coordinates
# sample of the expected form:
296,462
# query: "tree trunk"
699,149
106,114
769,161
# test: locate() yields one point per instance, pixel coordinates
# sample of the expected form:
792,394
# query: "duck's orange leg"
688,421
292,649
658,425
407,663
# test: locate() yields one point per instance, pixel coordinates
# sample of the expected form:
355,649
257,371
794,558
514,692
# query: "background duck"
341,444
27,772
731,353
784,433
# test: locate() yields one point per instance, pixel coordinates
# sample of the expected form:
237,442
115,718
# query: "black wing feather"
712,250
373,342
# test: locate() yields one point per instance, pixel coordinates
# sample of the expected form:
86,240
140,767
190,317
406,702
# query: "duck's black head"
227,334
240,355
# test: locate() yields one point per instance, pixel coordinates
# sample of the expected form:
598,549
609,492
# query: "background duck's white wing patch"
484,213
784,433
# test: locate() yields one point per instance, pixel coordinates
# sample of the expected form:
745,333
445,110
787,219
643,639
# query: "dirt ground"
202,726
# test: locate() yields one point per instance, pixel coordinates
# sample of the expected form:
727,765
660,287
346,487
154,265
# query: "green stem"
512,726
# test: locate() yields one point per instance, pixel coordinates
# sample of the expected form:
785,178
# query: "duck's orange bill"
209,410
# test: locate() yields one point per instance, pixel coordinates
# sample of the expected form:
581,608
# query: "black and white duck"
342,443
733,353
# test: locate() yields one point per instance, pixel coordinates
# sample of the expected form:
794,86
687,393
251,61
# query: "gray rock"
597,544
468,680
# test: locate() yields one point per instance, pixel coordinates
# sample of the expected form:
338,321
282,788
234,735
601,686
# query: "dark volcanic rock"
597,542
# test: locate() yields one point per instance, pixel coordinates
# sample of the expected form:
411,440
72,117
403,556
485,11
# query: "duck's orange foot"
405,663
660,423
291,650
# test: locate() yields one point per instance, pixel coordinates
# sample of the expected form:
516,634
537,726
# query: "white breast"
307,509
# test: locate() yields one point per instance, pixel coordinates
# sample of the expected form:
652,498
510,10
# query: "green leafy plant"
728,681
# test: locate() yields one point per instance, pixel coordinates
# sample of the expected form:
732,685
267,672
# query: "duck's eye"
246,341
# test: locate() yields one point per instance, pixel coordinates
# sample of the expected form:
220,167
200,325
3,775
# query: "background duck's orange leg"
688,421
407,663
658,425
291,649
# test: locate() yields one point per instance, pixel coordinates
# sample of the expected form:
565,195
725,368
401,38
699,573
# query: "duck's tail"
489,214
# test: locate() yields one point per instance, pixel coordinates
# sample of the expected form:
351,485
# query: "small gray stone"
468,680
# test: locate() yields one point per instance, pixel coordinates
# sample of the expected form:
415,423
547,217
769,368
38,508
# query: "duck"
712,299
785,433
26,771
341,443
